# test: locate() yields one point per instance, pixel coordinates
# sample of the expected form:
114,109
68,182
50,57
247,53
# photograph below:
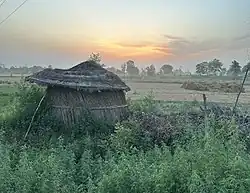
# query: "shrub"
147,104
206,164
149,152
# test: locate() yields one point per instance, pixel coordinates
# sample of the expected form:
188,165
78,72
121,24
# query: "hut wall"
70,105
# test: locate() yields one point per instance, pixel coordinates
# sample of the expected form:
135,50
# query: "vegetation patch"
227,87
162,147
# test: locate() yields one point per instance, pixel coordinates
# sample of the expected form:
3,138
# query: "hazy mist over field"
178,32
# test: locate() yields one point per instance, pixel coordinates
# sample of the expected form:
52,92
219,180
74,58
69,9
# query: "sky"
182,33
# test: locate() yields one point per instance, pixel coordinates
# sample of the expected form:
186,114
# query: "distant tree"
95,57
166,69
235,68
223,72
112,69
131,68
124,67
202,68
151,70
244,69
214,66
178,72
143,72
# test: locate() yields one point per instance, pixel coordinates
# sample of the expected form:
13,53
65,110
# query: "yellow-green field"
168,89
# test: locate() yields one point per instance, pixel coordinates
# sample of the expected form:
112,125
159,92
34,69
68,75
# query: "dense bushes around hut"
147,153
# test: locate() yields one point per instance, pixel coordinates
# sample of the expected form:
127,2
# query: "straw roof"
87,75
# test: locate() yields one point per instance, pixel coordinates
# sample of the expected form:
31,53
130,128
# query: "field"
167,89
166,145
174,92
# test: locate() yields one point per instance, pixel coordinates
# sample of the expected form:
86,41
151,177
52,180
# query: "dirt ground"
173,92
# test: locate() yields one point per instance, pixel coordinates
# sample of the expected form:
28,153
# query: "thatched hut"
86,87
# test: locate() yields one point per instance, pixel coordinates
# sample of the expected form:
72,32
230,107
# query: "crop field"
167,144
174,92
6,90
168,89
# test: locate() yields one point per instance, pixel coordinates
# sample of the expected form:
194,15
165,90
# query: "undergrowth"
144,154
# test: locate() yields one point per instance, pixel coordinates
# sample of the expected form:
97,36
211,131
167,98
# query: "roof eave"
74,85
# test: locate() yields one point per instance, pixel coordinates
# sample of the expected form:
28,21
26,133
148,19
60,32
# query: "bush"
149,152
206,164
146,105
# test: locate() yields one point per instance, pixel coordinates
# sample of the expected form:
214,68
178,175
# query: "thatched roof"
87,75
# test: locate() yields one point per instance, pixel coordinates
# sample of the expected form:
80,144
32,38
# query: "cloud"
177,46
242,37
135,45
143,48
180,46
173,38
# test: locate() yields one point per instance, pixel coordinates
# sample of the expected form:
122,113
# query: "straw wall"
70,105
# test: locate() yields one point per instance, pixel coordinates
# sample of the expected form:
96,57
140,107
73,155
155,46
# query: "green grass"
6,92
13,78
8,89
134,156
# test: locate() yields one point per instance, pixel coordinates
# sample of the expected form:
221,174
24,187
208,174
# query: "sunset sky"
178,32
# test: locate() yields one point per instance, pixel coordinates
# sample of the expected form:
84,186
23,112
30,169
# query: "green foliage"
211,67
247,66
205,164
96,57
202,68
134,156
131,68
147,104
166,69
235,68
151,71
215,66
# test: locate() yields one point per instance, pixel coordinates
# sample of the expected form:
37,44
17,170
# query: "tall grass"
95,157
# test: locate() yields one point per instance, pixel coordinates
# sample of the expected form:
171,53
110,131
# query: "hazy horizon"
177,32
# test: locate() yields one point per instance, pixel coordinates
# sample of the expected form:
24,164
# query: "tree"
223,72
131,68
96,57
143,73
124,67
112,69
202,68
178,72
235,68
166,69
151,70
244,69
214,66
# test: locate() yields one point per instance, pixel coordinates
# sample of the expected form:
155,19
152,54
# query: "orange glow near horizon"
121,51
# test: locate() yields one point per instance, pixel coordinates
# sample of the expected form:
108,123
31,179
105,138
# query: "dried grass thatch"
70,105
213,87
84,88
87,75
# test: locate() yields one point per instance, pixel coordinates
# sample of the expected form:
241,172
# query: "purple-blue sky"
179,32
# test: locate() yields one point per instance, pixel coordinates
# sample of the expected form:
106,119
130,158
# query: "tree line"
211,68
206,68
131,69
215,67
21,69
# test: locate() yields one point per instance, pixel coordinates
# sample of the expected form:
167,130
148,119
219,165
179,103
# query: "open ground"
174,92
168,89
168,144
